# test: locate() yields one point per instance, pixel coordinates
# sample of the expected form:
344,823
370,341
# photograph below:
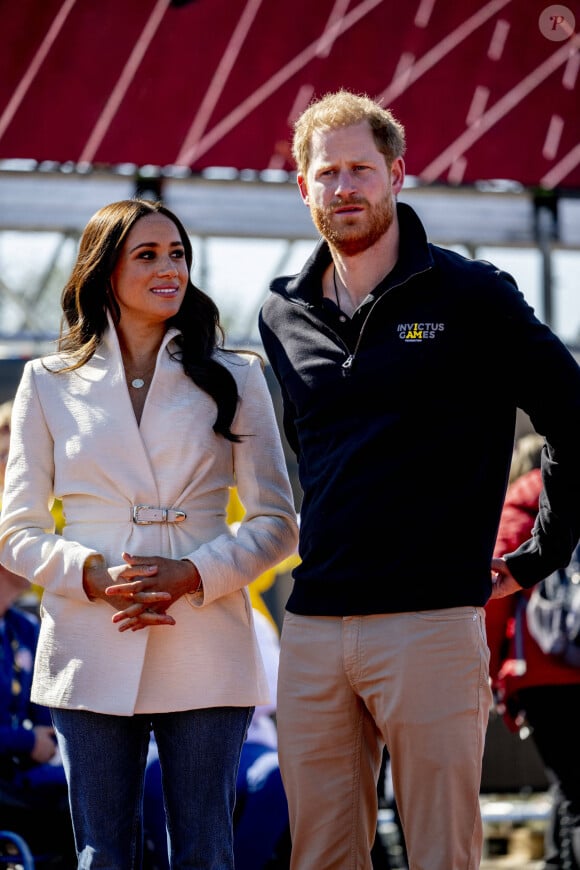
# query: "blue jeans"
104,758
261,816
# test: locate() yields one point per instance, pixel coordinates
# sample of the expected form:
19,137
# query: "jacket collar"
414,257
111,339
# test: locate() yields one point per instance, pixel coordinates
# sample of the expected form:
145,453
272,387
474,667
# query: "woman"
140,425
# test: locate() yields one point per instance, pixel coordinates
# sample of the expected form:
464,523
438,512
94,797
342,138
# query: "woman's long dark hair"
87,297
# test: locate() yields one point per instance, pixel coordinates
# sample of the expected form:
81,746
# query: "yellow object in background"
56,511
265,581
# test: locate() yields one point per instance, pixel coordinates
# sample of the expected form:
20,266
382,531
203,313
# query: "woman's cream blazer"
75,437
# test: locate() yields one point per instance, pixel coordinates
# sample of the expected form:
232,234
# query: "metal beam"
57,201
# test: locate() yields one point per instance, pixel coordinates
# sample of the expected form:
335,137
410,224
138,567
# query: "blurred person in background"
536,692
5,418
33,790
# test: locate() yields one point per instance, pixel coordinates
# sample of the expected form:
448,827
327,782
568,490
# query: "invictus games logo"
557,23
419,331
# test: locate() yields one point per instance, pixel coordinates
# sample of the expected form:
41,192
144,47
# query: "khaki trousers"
418,682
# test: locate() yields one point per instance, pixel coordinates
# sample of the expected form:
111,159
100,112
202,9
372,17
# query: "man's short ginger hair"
344,109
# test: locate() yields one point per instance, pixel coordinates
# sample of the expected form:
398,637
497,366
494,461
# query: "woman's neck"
139,348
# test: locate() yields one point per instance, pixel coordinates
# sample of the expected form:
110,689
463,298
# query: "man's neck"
356,276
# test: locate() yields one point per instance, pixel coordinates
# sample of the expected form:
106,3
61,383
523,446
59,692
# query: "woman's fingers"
141,602
141,620
134,589
141,605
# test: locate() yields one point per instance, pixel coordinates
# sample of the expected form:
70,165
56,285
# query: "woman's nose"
166,266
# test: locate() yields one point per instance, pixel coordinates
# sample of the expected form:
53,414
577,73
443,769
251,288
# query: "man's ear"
301,181
397,174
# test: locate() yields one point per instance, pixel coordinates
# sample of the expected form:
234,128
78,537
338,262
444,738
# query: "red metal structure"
487,89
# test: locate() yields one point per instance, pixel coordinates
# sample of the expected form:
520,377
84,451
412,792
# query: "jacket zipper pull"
347,364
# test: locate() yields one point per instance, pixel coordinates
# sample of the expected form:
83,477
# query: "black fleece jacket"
404,430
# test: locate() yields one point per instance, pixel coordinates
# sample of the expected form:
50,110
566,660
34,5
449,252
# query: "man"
401,366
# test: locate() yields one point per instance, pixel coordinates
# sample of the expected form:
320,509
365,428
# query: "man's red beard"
352,236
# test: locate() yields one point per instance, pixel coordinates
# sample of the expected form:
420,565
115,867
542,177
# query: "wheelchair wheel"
14,852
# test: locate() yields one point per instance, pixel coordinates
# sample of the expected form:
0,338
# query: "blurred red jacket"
516,659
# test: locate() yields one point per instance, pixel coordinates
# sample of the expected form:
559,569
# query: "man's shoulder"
486,281
278,296
303,285
455,260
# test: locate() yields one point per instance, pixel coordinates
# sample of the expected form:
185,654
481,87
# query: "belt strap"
145,514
